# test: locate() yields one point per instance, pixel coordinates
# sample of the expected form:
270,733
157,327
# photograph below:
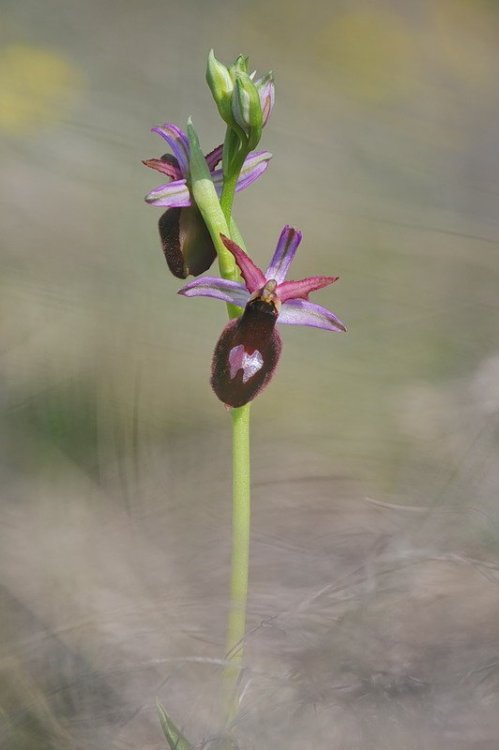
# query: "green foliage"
174,736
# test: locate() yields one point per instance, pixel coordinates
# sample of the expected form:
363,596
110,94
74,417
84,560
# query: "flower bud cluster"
195,227
244,103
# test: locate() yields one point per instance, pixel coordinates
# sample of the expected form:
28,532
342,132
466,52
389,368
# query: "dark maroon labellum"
246,354
186,242
169,232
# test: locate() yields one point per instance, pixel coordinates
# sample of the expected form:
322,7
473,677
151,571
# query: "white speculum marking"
239,359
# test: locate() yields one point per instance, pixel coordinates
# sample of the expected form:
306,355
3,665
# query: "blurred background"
374,601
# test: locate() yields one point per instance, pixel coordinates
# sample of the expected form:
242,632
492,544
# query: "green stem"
235,152
227,197
236,235
241,525
218,218
241,506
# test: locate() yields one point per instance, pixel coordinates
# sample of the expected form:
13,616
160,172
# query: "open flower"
187,244
249,347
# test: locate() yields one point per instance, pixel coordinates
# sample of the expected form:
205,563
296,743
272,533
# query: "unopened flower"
247,108
249,347
266,92
187,244
242,101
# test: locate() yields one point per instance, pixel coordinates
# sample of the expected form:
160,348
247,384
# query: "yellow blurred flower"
378,55
35,86
373,51
466,35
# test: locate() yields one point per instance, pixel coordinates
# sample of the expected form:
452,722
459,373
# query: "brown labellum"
186,242
246,354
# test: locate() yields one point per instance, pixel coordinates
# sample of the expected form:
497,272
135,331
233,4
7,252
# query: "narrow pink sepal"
252,275
301,289
165,167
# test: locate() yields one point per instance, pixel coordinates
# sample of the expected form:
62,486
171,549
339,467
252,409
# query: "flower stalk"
241,530
218,217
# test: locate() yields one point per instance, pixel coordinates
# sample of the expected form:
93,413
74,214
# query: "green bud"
239,66
221,86
243,104
247,109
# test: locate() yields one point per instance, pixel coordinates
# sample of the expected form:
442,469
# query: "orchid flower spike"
249,347
187,244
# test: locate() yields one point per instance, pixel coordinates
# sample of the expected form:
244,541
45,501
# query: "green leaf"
174,736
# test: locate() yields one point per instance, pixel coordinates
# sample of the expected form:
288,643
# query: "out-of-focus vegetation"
373,612
35,83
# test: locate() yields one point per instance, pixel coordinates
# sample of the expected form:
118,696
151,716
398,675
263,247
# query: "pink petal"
289,290
252,275
166,165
